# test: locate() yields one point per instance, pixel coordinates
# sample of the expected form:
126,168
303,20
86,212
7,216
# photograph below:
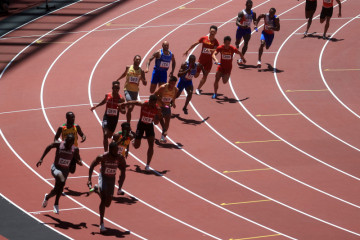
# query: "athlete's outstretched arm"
77,156
99,104
240,15
241,55
338,1
214,56
47,150
155,55
143,79
259,18
277,24
124,73
183,70
191,47
80,132
92,166
58,133
173,64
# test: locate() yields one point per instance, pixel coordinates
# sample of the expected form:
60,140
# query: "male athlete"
109,161
65,152
225,65
272,23
163,57
209,44
150,114
133,74
166,95
326,14
111,115
123,139
186,73
243,21
70,127
310,8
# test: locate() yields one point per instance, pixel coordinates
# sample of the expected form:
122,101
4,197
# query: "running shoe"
259,64
102,228
324,37
240,62
44,203
147,168
198,92
305,33
162,139
94,189
56,209
214,96
185,110
120,192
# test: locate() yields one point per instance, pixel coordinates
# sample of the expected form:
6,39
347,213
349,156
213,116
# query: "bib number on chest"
146,119
164,64
226,57
206,51
64,162
110,171
134,80
189,76
121,149
166,99
111,112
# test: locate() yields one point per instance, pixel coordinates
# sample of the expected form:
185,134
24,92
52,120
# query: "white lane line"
41,96
42,178
321,71
37,109
33,217
53,179
61,209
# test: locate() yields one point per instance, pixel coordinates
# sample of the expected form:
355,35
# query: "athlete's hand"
80,162
83,138
185,53
39,163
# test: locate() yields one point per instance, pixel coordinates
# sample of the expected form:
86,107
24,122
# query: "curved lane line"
42,178
321,71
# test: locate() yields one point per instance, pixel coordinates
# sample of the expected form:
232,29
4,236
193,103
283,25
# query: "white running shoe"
162,139
305,33
56,209
44,203
259,64
198,92
240,61
102,228
147,168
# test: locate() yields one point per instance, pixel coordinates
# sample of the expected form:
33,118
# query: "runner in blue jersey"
163,57
186,73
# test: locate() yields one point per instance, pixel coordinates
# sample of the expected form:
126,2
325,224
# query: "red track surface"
311,190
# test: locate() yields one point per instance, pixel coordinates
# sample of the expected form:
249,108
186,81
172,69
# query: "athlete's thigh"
225,77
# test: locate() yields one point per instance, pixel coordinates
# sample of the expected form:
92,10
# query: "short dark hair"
173,79
68,114
227,38
192,56
112,145
152,98
125,124
213,27
249,1
137,56
273,9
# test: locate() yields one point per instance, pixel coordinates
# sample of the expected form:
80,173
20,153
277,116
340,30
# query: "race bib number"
206,51
164,64
166,99
226,57
134,80
247,23
110,171
121,149
64,162
111,112
189,76
146,119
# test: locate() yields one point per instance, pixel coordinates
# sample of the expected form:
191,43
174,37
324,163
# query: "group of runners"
157,109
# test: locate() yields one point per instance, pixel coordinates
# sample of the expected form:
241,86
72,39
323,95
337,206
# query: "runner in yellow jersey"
123,139
134,74
70,127
166,95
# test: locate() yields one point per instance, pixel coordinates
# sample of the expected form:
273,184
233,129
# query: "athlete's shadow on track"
314,35
270,68
152,172
74,193
168,145
111,232
125,200
225,99
188,121
64,224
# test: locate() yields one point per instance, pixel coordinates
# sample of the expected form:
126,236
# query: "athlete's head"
137,60
125,128
192,59
227,40
248,4
70,117
272,12
213,30
172,82
69,140
165,46
115,86
113,149
153,100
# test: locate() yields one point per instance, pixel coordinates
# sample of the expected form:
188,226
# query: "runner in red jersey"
65,153
150,114
110,161
224,69
111,115
209,44
326,14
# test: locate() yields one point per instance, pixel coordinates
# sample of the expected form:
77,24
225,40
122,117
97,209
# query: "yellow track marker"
341,69
226,204
278,115
259,141
313,90
249,170
42,42
255,237
182,8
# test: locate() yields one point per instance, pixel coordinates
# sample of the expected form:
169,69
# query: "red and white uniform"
148,113
226,58
109,166
64,156
112,104
269,22
246,19
205,57
328,3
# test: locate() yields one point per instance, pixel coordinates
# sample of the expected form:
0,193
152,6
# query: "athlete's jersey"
246,19
328,3
123,144
66,131
189,76
167,96
163,63
269,22
148,113
109,164
226,55
63,156
132,79
207,45
112,104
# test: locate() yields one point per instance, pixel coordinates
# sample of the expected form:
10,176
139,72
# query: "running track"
275,157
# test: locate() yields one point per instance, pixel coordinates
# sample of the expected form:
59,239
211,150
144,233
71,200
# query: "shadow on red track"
111,232
64,224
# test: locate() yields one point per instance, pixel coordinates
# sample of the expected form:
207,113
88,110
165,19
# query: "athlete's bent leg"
128,113
246,43
150,151
189,91
261,49
216,83
203,80
225,78
327,24
153,87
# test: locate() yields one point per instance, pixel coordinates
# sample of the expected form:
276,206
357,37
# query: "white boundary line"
33,217
42,178
61,209
321,71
